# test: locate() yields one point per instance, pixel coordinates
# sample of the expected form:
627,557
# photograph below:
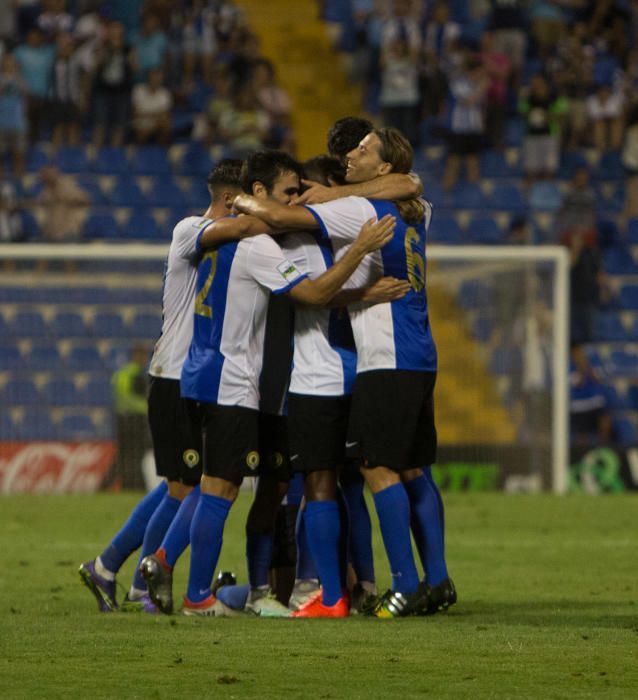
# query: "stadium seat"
545,196
127,193
61,392
7,427
30,225
11,359
71,159
569,162
508,198
166,193
142,226
629,296
482,328
610,166
77,426
150,160
20,392
474,294
514,130
196,161
494,164
84,358
619,261
91,186
608,327
111,160
632,232
69,324
101,226
445,229
37,424
616,401
98,393
107,324
467,195
28,324
484,230
624,363
136,296
44,358
625,431
36,159
197,195
146,326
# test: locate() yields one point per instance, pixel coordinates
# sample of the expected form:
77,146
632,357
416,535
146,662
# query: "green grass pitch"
548,608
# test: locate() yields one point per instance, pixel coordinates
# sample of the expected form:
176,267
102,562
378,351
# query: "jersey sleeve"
343,218
270,267
187,234
295,248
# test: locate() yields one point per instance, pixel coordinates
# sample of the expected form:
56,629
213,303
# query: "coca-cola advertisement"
54,467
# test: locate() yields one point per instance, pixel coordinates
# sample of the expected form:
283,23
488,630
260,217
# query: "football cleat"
439,597
395,604
143,604
304,591
316,608
224,578
263,603
205,608
102,589
159,580
363,601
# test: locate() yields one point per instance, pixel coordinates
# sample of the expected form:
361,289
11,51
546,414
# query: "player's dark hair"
267,167
346,134
323,169
227,173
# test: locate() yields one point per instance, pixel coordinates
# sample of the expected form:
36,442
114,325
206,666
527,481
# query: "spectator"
630,162
590,422
548,24
206,127
12,228
586,278
509,30
498,68
150,47
13,113
541,144
152,104
519,232
55,18
578,208
605,111
35,59
401,24
245,126
275,102
8,20
112,86
468,89
64,205
399,96
66,96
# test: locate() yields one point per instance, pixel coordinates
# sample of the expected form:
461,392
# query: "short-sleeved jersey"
178,296
231,304
395,335
325,358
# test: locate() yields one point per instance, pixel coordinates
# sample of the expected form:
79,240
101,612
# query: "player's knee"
214,486
321,486
410,474
178,490
379,478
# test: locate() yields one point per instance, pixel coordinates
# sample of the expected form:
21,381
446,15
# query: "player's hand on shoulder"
241,204
375,233
315,194
386,289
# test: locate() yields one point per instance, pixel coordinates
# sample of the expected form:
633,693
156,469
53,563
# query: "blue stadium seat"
474,294
632,232
608,327
11,358
28,324
616,401
108,324
514,130
77,426
98,393
624,363
84,358
36,159
625,431
569,162
485,230
629,296
619,261
146,325
44,357
91,186
20,392
150,160
111,160
166,193
101,226
434,193
494,164
445,229
7,427
133,295
61,392
482,328
467,195
545,196
127,193
69,324
37,424
508,198
197,195
196,160
143,226
71,159
30,225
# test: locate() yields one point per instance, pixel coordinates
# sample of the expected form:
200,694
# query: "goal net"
71,316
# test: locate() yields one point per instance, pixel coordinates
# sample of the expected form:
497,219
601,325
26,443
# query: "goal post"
500,318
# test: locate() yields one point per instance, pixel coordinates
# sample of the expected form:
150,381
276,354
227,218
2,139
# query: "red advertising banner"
54,467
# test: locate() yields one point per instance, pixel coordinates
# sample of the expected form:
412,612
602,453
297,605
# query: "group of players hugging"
296,347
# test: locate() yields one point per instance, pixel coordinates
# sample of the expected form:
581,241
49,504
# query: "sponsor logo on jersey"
191,458
288,271
252,459
201,223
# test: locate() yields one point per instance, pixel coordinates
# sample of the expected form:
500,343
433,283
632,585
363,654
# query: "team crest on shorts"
277,460
191,458
252,459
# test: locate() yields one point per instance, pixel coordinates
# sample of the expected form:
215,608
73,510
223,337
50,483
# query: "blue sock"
427,528
155,531
259,556
360,530
131,536
178,535
427,472
207,530
295,489
393,509
323,530
305,565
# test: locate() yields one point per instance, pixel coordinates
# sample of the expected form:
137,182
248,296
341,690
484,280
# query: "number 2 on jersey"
202,309
414,260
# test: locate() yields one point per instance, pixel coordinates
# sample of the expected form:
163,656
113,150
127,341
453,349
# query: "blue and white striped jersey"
395,335
231,304
325,358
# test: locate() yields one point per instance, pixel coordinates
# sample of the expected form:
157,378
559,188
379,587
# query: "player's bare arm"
395,186
384,290
282,217
232,229
319,292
